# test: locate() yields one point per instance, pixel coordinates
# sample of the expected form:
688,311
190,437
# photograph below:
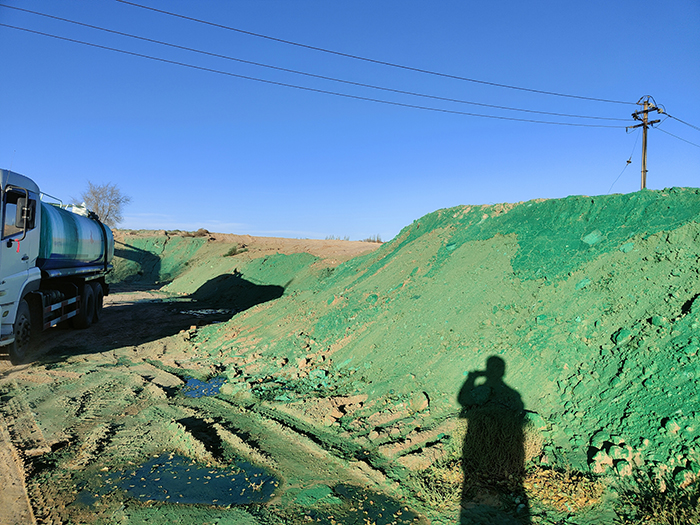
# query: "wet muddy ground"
121,423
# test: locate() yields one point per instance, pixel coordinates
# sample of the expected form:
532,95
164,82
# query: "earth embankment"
590,301
345,365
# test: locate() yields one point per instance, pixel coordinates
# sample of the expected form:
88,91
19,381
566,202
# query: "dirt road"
91,405
131,319
93,402
14,503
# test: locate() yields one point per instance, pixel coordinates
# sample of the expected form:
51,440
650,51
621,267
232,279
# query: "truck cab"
53,265
19,247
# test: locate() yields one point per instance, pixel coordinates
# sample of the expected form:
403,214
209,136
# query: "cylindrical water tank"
69,240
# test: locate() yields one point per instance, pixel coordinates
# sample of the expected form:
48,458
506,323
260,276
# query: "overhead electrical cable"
346,95
679,138
683,122
371,60
277,68
658,127
629,161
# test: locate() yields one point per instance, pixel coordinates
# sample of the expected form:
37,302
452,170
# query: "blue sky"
197,149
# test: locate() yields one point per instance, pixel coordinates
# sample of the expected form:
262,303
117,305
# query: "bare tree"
107,201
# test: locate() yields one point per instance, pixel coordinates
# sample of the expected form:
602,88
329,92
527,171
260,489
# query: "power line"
683,122
658,127
629,161
679,138
359,84
371,60
314,90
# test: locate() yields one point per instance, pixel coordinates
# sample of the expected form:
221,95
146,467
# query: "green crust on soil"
590,301
355,369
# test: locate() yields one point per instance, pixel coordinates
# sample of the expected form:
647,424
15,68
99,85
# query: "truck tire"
19,349
99,293
86,312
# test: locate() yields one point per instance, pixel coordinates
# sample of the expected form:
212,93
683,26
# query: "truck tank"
69,240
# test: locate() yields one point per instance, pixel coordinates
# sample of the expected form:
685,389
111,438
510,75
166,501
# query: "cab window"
10,223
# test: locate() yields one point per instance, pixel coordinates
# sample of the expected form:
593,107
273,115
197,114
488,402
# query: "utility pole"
647,106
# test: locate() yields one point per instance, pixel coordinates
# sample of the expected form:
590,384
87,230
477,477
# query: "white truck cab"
53,264
19,247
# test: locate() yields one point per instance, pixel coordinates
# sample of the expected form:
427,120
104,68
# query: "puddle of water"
207,311
176,479
197,388
86,498
359,505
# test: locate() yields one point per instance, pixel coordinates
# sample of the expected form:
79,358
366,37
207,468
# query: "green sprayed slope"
590,301
196,266
152,259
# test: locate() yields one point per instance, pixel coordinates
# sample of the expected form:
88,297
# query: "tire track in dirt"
262,433
93,445
22,426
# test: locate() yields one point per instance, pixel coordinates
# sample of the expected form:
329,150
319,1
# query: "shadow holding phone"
493,455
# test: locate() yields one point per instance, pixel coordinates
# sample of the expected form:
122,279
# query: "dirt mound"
567,330
589,301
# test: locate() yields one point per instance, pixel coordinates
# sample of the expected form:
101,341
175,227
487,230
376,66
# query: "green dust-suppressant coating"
70,240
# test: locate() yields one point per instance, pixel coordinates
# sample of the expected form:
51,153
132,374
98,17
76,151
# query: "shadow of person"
493,458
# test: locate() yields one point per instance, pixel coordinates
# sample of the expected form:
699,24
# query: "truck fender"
30,285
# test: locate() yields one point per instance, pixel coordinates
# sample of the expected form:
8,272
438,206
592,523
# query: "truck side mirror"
24,217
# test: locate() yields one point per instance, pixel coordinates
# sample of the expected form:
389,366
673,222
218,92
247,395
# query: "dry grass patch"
441,487
563,491
650,499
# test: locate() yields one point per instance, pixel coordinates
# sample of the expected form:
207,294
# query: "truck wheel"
99,300
23,334
86,313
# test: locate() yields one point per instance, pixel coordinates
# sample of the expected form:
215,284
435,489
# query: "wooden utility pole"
647,106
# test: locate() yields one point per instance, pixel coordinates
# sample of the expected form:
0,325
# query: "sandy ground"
331,250
14,503
129,318
137,324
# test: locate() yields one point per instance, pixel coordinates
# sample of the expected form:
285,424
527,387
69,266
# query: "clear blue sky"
197,149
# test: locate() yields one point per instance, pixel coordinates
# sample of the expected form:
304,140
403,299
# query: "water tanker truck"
53,264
